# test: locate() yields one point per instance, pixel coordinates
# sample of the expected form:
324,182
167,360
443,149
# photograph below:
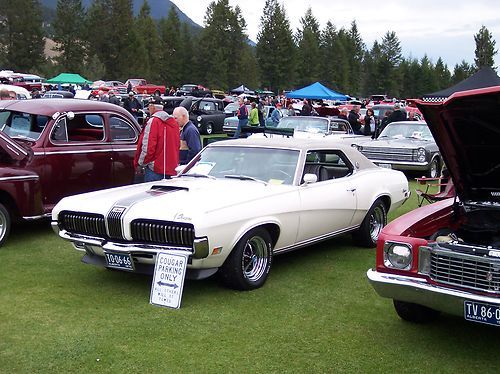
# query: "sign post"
168,279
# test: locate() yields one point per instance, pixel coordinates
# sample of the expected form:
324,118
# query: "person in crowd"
35,94
344,112
103,96
129,87
158,147
4,94
132,104
253,118
369,128
190,137
276,114
306,108
113,99
397,114
171,91
242,115
385,121
261,108
290,110
354,120
412,117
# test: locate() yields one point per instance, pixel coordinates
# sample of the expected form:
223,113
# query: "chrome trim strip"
419,291
33,218
314,240
20,177
414,163
85,151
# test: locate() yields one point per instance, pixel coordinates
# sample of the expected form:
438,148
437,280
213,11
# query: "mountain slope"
159,9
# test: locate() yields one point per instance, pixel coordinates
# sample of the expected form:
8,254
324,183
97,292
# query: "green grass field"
316,313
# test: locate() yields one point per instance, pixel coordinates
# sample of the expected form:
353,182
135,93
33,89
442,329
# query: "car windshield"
313,125
247,163
188,87
407,130
22,125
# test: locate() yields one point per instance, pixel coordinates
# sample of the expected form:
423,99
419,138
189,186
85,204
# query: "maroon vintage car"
50,149
445,257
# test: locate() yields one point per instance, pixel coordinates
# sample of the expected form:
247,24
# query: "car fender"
21,188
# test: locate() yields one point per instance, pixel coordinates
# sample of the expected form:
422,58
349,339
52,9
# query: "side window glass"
60,132
79,128
121,130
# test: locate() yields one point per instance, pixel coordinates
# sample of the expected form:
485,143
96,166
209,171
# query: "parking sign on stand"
168,279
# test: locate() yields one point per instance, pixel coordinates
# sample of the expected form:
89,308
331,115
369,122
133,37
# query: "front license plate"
119,261
482,313
385,166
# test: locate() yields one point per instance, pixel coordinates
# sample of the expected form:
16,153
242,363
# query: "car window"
121,129
22,125
80,128
327,164
221,162
207,106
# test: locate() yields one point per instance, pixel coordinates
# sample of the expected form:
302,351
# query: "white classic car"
233,207
307,127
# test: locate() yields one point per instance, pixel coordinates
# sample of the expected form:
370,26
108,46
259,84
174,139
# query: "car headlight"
421,155
358,147
199,118
398,255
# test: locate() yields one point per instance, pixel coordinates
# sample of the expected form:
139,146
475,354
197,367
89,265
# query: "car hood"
180,199
13,148
467,132
396,143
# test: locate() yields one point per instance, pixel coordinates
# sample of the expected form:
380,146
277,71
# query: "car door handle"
351,190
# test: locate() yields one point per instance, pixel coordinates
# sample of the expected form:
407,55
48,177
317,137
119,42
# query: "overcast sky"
438,28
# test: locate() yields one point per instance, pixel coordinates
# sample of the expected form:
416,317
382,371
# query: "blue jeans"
151,176
241,123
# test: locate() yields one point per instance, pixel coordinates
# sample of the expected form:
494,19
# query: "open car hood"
466,128
13,148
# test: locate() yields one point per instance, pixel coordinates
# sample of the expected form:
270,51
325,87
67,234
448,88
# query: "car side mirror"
310,178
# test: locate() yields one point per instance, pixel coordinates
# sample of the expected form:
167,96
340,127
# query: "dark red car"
445,257
50,149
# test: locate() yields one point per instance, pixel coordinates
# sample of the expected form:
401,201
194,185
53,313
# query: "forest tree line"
106,41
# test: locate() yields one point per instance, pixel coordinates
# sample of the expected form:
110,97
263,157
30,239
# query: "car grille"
389,154
83,223
466,271
172,233
114,222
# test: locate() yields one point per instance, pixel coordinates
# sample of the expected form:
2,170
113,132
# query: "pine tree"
442,75
387,64
308,52
113,37
149,44
221,45
170,42
462,71
22,34
485,48
275,49
355,49
186,57
68,29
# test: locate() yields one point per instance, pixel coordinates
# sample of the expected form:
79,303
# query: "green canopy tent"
68,78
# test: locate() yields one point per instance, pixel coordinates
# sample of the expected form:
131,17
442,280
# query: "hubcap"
255,258
376,222
434,169
3,226
209,129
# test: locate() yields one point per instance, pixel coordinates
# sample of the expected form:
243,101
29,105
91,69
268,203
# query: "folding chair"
444,186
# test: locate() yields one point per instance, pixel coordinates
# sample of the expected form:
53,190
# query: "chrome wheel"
434,169
5,223
209,129
377,222
255,258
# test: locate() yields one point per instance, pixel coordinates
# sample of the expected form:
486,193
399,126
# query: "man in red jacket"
158,147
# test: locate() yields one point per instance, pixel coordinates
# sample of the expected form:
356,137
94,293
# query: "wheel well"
9,204
273,230
386,200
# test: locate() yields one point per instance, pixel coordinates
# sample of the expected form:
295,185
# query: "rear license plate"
119,261
385,166
482,313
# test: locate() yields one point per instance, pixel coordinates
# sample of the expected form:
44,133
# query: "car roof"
300,145
49,107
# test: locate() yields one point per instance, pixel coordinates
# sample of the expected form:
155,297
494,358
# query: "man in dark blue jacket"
190,136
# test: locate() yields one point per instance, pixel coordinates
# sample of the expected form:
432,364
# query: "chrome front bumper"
419,291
